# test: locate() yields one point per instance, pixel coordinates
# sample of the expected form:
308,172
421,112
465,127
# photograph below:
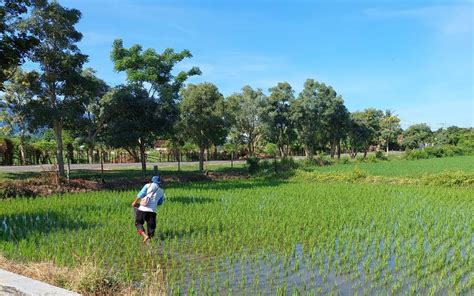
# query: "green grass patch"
402,167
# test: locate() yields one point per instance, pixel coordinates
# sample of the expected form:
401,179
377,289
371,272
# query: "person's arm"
140,195
135,202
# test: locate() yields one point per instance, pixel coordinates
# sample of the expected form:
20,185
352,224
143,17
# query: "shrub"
344,160
264,166
319,161
357,174
416,154
457,178
434,152
253,164
286,164
372,158
380,155
431,152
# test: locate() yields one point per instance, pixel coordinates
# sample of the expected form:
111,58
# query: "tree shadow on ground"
234,170
125,180
261,180
20,175
17,227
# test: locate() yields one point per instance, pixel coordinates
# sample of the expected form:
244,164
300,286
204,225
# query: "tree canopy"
417,135
245,114
129,120
15,43
202,116
277,121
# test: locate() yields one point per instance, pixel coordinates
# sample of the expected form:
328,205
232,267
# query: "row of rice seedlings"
249,236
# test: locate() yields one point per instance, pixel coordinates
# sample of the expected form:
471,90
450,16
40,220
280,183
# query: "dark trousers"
149,218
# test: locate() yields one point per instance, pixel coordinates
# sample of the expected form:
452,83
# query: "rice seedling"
260,236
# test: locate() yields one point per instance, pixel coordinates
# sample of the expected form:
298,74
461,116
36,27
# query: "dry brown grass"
87,279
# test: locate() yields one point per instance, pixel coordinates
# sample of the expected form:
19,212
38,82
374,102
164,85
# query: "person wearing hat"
146,202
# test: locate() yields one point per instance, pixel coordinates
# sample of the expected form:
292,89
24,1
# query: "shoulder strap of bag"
149,195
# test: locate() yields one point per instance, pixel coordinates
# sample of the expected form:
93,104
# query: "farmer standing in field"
147,200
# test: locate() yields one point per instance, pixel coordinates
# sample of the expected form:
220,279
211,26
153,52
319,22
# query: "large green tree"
130,120
19,92
60,62
245,114
88,127
417,136
389,129
449,136
202,116
367,127
358,135
15,43
276,117
305,114
333,117
153,73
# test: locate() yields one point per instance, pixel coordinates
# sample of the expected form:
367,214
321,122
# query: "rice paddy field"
264,236
405,167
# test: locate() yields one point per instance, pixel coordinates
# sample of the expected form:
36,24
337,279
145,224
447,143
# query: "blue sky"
412,57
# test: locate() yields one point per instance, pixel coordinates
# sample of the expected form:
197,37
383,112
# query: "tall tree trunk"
201,159
339,149
142,155
332,150
22,147
132,153
90,153
353,153
249,147
207,160
58,131
37,157
68,161
387,147
70,153
309,151
179,159
102,166
365,152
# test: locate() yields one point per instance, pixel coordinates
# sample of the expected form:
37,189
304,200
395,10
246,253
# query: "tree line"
155,103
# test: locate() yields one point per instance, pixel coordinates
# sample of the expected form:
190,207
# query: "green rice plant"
261,235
